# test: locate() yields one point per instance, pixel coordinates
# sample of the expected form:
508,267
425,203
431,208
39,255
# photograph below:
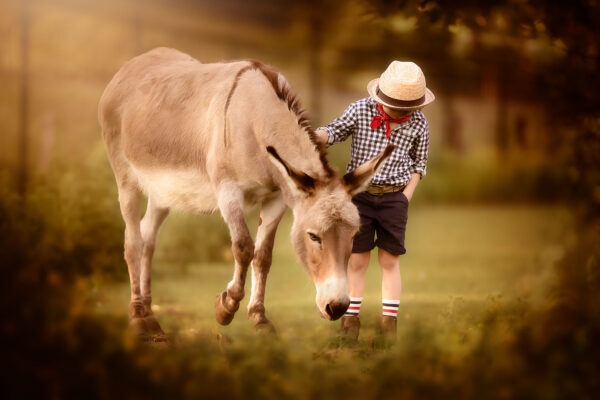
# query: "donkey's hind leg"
150,226
130,198
231,204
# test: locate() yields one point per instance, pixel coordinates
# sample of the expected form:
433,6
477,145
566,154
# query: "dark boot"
387,325
350,326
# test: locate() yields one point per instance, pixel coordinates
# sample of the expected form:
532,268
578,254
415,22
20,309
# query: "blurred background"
501,279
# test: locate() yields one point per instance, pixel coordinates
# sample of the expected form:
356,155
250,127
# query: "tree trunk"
502,139
314,64
24,101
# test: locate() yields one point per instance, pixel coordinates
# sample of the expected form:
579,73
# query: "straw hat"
401,86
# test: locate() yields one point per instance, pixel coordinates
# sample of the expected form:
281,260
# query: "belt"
379,190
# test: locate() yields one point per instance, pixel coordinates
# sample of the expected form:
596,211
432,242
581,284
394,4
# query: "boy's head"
401,87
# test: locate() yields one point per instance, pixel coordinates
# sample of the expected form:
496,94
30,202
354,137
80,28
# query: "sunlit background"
501,277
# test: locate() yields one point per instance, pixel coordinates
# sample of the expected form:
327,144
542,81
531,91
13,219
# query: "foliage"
67,232
456,178
68,224
61,350
582,161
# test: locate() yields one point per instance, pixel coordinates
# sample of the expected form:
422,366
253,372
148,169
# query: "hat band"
399,103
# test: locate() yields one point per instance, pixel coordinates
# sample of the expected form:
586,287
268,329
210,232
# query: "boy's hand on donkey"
322,136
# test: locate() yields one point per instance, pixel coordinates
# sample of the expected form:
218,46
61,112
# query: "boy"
390,115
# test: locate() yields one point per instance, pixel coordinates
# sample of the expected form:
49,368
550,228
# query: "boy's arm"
411,185
418,153
339,129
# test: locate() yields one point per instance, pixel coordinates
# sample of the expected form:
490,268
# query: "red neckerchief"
378,119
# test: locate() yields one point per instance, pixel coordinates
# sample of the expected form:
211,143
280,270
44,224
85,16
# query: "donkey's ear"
358,180
299,183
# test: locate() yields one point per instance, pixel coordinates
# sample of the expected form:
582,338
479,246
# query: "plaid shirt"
411,139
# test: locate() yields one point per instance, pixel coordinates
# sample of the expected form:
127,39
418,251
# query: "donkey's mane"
285,94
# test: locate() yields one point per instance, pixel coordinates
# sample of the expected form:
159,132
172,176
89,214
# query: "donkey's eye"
314,237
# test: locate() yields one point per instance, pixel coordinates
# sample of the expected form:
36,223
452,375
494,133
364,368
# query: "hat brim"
372,89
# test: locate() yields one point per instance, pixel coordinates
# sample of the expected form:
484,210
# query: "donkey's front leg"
231,204
270,215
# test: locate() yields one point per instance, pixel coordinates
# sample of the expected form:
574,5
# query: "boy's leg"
356,273
391,282
390,240
359,261
357,268
363,243
391,288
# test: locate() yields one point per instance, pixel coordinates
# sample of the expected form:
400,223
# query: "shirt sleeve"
339,129
419,150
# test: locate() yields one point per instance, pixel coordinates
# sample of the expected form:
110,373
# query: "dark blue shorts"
384,215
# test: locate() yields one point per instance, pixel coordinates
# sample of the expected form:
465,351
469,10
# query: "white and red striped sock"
390,307
354,307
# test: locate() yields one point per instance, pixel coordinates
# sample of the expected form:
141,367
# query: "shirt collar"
373,105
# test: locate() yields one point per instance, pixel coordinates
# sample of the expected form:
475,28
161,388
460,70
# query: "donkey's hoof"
153,327
222,314
266,328
138,327
159,339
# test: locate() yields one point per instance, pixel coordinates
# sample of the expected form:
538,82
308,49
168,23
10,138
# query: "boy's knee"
359,262
358,267
387,260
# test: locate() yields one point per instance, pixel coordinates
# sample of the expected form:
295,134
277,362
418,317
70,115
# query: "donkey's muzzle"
336,309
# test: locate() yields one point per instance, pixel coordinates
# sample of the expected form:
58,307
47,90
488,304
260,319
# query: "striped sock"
354,307
390,307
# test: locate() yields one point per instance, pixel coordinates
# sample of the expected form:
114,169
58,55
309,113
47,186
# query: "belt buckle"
376,190
383,189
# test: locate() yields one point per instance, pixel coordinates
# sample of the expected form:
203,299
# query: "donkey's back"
161,116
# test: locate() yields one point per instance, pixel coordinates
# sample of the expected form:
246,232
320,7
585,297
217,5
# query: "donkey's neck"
285,125
294,145
262,98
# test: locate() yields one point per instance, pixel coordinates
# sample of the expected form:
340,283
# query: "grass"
462,261
479,318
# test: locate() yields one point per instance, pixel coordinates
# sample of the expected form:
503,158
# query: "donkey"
226,136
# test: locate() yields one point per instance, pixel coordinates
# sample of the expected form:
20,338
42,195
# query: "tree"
24,100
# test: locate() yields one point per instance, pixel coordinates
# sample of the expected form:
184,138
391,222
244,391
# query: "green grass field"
462,261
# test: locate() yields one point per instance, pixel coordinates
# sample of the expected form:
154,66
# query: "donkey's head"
325,221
